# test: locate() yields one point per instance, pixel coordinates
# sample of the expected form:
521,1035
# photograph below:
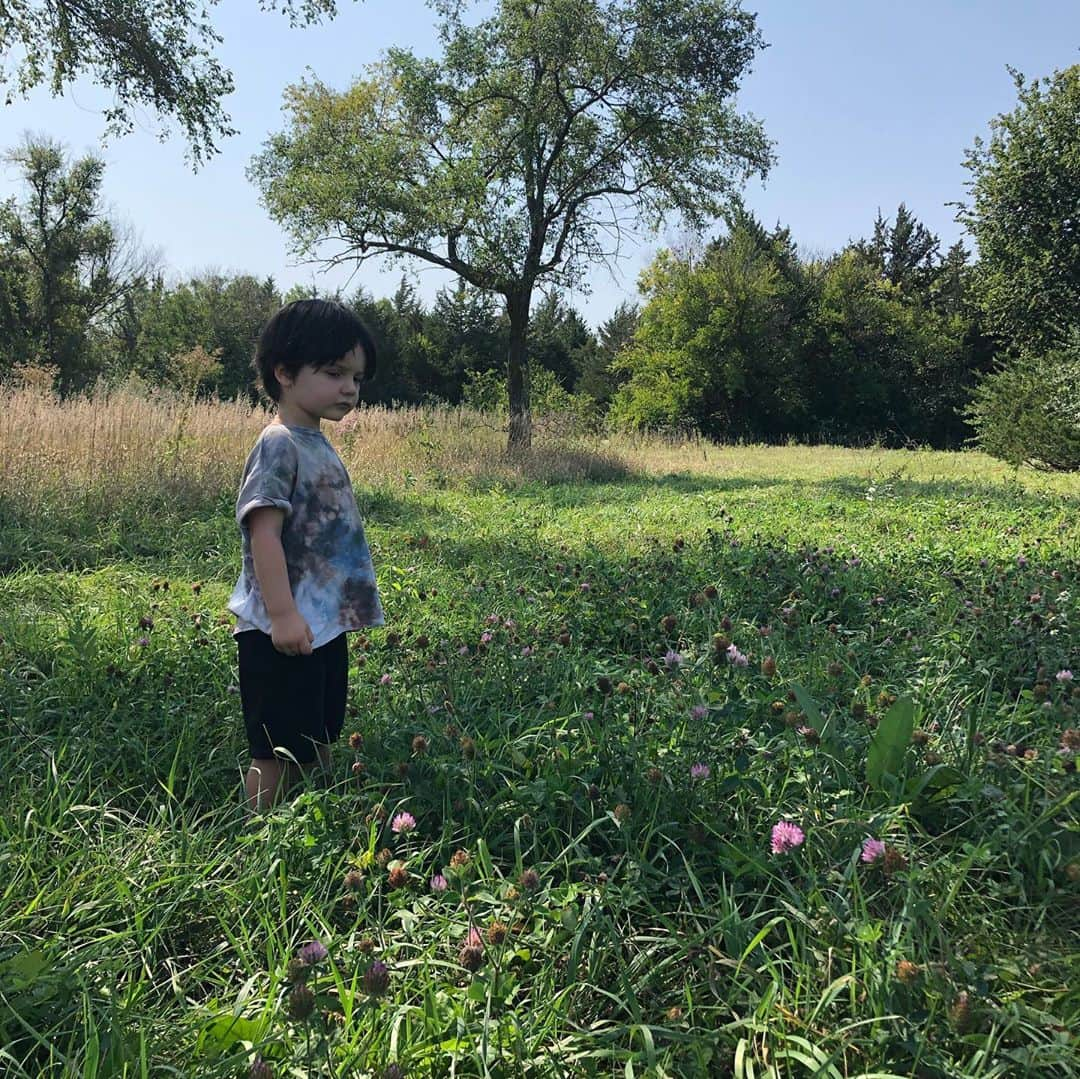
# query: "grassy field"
608,674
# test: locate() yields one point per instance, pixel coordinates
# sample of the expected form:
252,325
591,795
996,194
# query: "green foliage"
68,270
217,313
750,341
158,57
889,746
1028,410
1025,188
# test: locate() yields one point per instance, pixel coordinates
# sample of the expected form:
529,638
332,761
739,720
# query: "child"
307,577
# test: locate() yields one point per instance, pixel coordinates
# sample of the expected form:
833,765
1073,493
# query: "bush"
1028,410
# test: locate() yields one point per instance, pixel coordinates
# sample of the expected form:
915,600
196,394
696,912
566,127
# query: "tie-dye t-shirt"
327,557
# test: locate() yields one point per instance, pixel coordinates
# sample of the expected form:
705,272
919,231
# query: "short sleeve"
269,477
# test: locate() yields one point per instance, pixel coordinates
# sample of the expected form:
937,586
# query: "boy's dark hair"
313,333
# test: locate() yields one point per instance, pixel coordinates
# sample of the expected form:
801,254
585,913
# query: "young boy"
307,577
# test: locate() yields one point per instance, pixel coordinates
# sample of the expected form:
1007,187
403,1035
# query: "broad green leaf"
891,740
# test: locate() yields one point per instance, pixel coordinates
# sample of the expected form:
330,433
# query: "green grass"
147,929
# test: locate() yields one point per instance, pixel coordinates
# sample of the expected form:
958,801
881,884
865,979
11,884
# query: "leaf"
891,740
221,1034
808,705
24,968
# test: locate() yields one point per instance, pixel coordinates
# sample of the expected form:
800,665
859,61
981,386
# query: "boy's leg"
263,782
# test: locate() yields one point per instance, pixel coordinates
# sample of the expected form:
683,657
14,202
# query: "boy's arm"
288,629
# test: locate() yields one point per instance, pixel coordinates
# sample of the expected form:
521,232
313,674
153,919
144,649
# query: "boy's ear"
281,373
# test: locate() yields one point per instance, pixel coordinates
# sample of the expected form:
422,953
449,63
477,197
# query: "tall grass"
108,447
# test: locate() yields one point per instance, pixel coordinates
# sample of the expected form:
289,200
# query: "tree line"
741,337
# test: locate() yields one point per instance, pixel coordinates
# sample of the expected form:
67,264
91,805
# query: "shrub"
1028,410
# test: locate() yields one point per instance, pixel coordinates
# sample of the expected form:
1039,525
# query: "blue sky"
868,103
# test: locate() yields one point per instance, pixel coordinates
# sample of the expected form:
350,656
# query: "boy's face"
321,393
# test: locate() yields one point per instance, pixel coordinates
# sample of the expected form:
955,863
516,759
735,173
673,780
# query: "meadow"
673,759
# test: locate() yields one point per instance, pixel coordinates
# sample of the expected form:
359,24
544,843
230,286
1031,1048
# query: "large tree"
1024,214
544,130
156,55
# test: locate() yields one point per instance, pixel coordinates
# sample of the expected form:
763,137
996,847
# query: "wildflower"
654,775
439,883
710,591
587,716
260,1069
585,586
356,740
527,651
463,650
377,979
893,861
353,879
460,859
907,971
146,622
313,952
486,637
786,836
809,733
960,1013
1064,676
603,683
385,680
468,748
621,813
142,642
392,1071
768,666
1021,561
300,1002
398,877
668,623
735,657
496,933
529,880
672,660
403,824
699,711
471,957
419,745
297,972
873,850
699,771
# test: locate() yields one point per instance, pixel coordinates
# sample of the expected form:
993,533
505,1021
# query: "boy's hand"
291,634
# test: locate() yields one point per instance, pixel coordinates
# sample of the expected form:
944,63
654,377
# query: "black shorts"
291,704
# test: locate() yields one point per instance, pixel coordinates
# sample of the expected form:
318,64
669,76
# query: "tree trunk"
517,370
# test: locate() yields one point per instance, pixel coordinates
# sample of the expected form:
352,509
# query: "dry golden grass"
122,444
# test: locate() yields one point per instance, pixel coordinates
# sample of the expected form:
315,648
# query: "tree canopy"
156,55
